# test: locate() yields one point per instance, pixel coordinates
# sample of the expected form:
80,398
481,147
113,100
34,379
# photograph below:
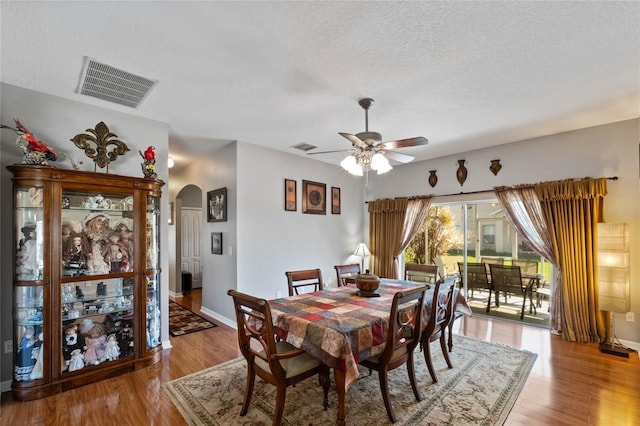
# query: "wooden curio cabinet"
86,277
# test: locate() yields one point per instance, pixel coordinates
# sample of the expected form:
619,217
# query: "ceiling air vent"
304,146
111,84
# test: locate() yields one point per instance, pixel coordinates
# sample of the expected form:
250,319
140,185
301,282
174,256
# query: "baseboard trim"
226,321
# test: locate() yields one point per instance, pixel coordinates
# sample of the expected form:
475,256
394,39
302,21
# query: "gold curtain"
572,209
386,220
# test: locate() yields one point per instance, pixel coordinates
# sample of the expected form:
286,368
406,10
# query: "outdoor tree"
436,236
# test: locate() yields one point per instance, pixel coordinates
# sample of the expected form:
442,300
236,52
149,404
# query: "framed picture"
335,200
290,195
216,243
314,197
217,205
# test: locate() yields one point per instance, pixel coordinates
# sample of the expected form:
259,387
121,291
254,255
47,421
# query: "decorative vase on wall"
461,173
433,178
495,167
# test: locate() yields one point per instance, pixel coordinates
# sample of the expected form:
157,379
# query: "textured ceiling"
465,75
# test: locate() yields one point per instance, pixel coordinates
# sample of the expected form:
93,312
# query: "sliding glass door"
478,232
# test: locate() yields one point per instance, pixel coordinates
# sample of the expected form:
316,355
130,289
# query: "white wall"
55,121
272,240
260,239
602,151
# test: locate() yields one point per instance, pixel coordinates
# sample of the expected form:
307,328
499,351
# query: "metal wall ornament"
433,178
495,167
461,173
96,145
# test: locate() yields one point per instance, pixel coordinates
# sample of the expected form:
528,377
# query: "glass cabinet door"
153,311
97,282
153,232
29,214
152,271
29,336
29,292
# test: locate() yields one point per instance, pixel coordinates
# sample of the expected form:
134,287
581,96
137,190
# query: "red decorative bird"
32,144
150,154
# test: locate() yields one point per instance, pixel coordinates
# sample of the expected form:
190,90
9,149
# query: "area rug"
182,321
481,389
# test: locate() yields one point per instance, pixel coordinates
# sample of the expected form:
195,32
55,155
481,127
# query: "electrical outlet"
278,294
8,346
631,317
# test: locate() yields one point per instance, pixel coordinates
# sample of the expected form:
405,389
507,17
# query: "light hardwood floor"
570,384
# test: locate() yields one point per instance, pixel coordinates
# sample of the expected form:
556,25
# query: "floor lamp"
613,278
362,251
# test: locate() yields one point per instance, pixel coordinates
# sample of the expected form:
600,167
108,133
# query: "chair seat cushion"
291,366
396,354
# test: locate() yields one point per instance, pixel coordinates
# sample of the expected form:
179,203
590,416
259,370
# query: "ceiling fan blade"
354,140
329,152
400,158
404,143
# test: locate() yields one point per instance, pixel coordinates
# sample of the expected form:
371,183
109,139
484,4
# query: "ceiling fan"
369,150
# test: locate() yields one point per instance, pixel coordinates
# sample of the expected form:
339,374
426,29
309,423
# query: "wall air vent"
111,84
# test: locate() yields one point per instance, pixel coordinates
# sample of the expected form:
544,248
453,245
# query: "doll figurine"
72,341
95,340
26,256
111,348
38,355
77,360
76,252
26,348
96,228
115,252
125,338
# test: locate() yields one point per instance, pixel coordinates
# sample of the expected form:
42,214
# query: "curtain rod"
486,191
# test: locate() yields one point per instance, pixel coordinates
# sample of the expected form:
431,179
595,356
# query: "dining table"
340,327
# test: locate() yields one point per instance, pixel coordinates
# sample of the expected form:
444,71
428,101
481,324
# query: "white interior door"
191,244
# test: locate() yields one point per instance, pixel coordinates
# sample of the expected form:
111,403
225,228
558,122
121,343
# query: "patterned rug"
183,321
481,389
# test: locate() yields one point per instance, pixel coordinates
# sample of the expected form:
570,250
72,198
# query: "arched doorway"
188,250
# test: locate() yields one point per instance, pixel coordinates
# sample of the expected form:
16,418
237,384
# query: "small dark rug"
182,321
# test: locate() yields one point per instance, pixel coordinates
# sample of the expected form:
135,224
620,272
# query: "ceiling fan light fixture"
356,170
352,165
379,161
349,162
384,168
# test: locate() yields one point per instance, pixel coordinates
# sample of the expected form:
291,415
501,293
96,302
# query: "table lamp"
362,251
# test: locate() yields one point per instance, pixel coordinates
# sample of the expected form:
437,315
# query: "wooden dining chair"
280,364
420,273
440,316
304,278
403,336
345,274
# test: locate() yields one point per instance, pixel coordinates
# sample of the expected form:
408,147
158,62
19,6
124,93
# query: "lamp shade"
362,250
613,267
